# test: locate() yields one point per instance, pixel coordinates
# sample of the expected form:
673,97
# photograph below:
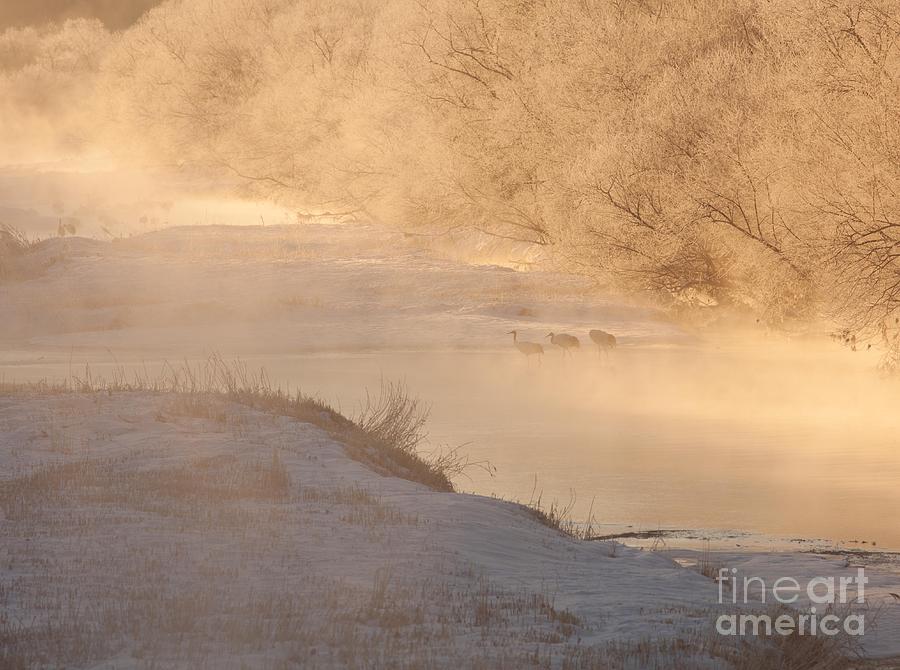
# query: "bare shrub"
395,417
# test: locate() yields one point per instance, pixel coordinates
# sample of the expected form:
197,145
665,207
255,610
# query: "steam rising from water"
795,439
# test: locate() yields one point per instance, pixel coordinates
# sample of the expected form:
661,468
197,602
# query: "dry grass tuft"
795,651
386,436
13,246
559,515
108,482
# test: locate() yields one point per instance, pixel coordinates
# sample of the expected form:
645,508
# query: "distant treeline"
115,14
732,152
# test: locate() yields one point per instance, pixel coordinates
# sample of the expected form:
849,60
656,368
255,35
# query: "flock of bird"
604,341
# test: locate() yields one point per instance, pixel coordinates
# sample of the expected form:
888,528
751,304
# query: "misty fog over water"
718,433
449,333
787,443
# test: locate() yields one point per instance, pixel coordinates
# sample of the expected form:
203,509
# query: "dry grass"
559,516
394,417
13,246
709,567
709,650
160,598
112,482
386,436
190,564
795,651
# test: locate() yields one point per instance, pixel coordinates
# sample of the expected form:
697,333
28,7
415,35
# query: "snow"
334,308
358,565
350,568
289,289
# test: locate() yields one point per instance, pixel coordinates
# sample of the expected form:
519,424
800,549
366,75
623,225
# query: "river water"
788,440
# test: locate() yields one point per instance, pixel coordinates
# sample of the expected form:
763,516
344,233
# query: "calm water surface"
779,440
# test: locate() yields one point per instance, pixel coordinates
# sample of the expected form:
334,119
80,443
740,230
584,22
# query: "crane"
567,342
528,348
604,341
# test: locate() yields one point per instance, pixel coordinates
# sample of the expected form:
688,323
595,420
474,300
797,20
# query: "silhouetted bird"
604,341
528,348
565,341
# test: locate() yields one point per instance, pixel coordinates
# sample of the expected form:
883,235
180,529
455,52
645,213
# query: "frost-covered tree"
707,152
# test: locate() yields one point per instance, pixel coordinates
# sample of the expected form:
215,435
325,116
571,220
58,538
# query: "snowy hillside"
148,530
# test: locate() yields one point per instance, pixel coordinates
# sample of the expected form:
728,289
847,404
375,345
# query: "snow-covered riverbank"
290,289
139,530
731,437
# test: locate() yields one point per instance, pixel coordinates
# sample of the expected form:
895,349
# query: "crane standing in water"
565,341
528,348
604,341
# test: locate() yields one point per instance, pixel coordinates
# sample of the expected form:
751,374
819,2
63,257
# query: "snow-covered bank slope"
132,532
136,534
